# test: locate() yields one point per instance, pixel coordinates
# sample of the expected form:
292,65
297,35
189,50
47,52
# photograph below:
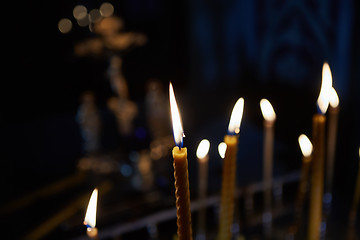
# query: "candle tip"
334,98
236,116
203,149
267,110
326,85
305,145
90,217
222,149
176,120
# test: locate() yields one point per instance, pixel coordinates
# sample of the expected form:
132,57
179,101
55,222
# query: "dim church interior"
89,108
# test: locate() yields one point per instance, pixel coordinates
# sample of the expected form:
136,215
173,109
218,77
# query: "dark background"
212,51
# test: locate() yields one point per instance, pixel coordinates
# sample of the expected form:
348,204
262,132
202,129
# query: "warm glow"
90,217
203,149
176,120
334,98
83,22
106,9
305,145
359,151
79,12
65,25
236,116
94,15
326,85
222,149
267,110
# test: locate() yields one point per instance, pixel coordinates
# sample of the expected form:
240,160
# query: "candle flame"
176,120
334,98
305,145
90,217
222,149
267,110
326,85
236,116
203,149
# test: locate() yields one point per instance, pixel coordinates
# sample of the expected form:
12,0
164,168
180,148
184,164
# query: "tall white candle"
317,172
331,139
203,159
269,122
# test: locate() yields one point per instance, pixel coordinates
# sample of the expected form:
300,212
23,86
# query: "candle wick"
181,145
87,225
231,133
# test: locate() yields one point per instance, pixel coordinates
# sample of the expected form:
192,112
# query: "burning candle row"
314,155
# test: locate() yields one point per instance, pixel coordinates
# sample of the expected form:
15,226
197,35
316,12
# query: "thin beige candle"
317,175
181,174
229,173
203,159
268,152
306,149
90,217
333,117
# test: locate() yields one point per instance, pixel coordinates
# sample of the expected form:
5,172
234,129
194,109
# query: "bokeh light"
106,9
65,25
94,15
79,12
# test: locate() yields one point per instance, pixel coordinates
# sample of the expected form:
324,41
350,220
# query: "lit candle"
306,149
203,159
222,149
90,217
269,121
331,140
229,172
317,175
181,174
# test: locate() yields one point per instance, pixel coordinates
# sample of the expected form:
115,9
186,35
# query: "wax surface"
333,118
228,188
203,179
182,193
268,162
92,233
302,189
317,177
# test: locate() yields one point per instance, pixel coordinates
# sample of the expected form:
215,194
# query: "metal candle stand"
253,218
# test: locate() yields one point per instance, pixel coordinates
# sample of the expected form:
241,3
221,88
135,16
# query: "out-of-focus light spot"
203,149
84,164
222,149
79,12
325,91
267,110
83,22
236,116
94,15
156,152
65,25
134,156
333,98
126,170
106,9
305,145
